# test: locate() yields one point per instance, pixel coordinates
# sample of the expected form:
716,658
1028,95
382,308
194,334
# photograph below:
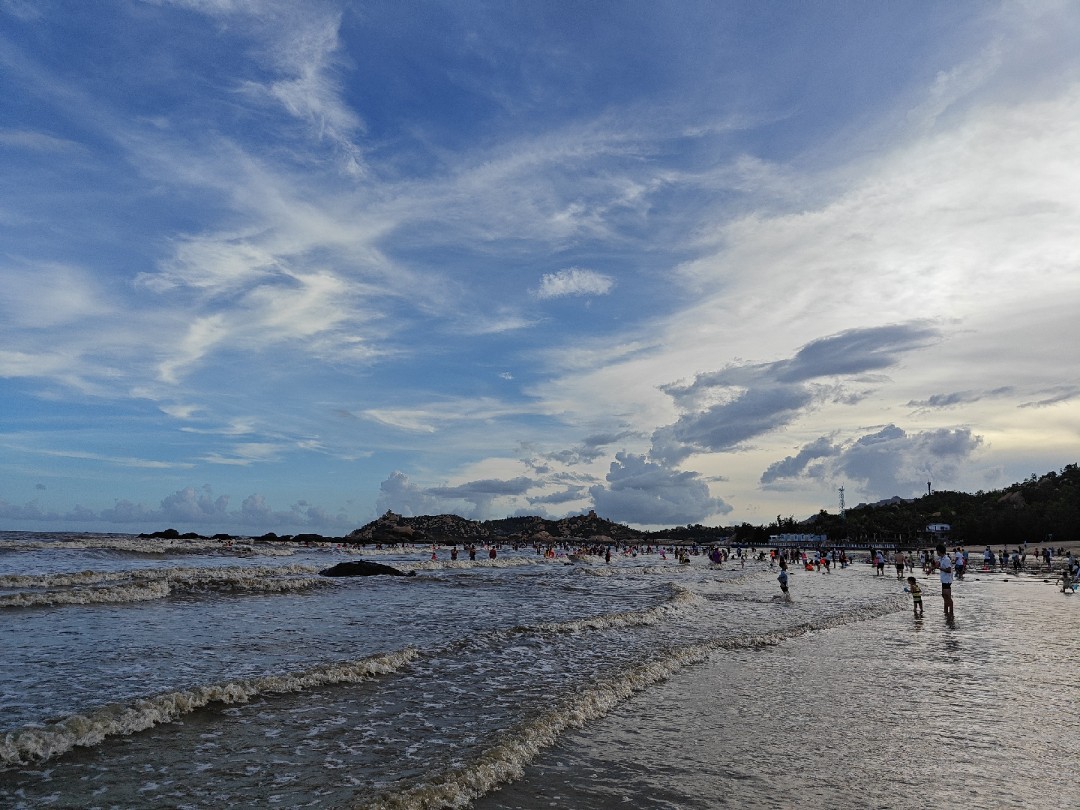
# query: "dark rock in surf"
362,568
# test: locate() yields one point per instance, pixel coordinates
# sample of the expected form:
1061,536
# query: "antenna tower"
842,503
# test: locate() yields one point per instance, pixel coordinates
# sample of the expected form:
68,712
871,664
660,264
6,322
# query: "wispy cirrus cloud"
959,398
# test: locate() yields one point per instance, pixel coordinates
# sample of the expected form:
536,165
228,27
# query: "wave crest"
37,744
505,760
98,587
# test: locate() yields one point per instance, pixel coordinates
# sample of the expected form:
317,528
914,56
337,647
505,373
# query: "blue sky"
276,266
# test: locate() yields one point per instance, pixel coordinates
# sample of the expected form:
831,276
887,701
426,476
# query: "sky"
278,266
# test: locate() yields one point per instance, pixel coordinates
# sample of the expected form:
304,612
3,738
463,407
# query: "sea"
141,672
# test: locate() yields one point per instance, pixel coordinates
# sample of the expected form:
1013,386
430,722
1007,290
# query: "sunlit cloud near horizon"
268,266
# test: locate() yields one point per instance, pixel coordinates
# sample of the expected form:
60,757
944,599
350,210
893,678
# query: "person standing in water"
783,579
916,595
945,568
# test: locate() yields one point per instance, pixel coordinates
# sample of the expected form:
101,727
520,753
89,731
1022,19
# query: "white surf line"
90,587
37,744
505,760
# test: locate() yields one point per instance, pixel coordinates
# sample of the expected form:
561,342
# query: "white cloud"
887,462
573,281
247,453
648,493
202,336
37,141
47,294
302,45
398,494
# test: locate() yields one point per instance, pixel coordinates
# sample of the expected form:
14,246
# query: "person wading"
945,568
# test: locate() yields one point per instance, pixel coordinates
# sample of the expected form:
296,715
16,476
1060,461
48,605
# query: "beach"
188,675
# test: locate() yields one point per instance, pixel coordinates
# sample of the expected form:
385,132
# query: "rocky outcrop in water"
363,568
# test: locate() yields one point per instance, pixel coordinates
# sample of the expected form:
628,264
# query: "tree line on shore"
1040,511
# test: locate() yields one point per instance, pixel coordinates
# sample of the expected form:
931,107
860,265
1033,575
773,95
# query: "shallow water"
526,683
890,712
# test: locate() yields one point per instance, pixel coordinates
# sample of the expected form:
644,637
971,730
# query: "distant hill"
1037,511
392,527
1043,510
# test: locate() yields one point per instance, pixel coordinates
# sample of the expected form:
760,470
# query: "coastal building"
798,540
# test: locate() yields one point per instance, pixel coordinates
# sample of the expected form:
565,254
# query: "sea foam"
36,744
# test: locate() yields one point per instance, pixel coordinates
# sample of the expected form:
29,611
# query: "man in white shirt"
945,568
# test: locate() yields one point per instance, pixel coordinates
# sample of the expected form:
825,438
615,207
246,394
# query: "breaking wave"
99,587
36,744
506,758
680,598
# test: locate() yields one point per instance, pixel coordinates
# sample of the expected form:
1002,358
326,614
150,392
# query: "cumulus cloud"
573,281
398,494
727,408
197,508
648,493
887,462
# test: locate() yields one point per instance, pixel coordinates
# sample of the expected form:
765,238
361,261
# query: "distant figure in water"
879,563
783,579
945,568
916,595
492,553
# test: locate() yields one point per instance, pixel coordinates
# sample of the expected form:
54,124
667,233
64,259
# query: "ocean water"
139,673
